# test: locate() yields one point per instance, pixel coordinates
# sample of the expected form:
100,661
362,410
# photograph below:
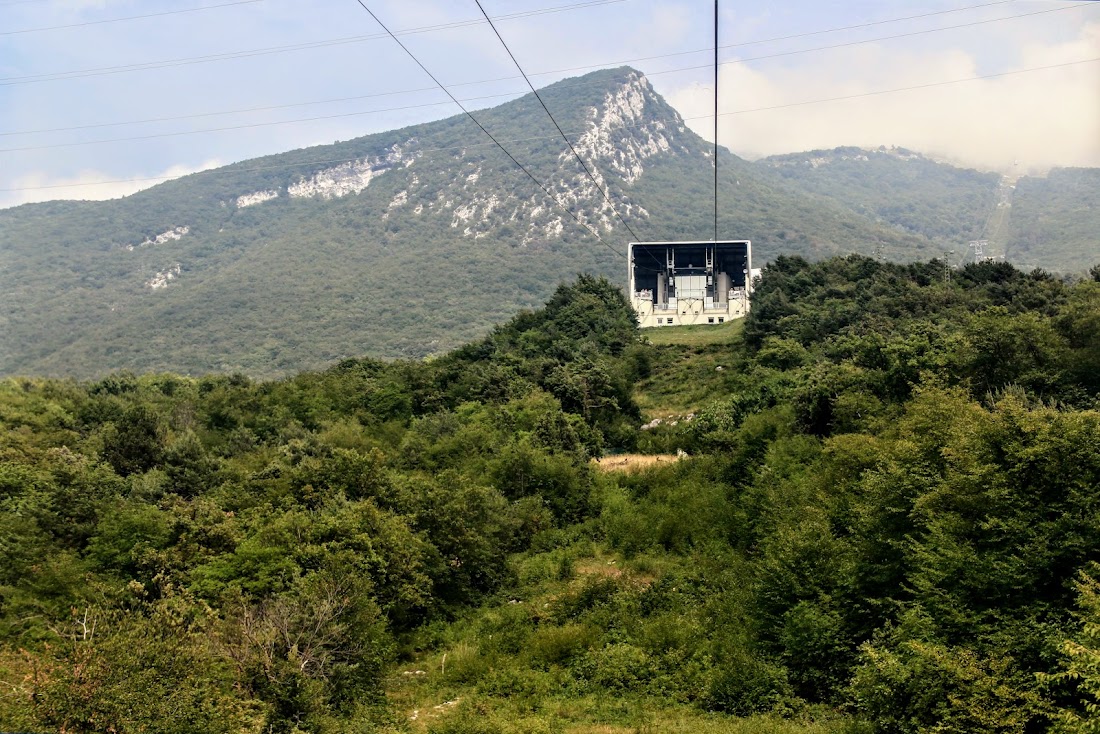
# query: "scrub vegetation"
888,521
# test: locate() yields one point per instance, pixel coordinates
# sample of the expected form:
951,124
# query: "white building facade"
684,283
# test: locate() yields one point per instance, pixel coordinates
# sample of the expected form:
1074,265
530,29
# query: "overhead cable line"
910,34
870,24
912,88
230,55
715,120
279,166
476,122
324,43
487,81
130,17
1092,3
549,114
246,126
338,161
196,115
564,83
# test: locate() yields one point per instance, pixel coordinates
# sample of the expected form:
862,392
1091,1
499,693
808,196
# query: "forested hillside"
405,243
895,186
887,521
1055,218
1048,222
412,242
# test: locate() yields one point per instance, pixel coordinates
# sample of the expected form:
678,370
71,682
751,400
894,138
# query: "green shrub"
618,668
918,686
553,645
593,592
742,684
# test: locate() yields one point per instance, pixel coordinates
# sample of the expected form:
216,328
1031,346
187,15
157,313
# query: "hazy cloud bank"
1041,118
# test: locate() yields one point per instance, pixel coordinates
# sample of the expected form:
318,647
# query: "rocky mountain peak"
620,123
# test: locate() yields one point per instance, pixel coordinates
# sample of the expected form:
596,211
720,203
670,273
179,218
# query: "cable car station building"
681,283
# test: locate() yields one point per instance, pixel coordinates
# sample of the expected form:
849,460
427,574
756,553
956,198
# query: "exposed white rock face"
615,146
463,214
626,128
487,208
863,156
617,134
160,280
352,177
256,197
554,228
347,178
175,233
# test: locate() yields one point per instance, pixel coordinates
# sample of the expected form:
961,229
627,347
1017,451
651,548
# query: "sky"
99,98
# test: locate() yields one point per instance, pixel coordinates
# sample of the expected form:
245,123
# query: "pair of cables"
488,134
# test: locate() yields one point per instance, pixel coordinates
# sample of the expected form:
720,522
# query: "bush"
917,686
558,645
744,684
617,667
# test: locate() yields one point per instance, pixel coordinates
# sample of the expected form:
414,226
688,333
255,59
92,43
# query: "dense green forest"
888,520
1037,221
1054,219
899,187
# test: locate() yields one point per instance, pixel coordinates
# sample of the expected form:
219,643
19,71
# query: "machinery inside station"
681,283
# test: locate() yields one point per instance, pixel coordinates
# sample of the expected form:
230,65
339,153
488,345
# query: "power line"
1095,3
245,126
544,137
173,118
409,107
912,88
715,120
499,79
475,121
131,17
556,125
248,53
230,55
870,24
258,169
914,33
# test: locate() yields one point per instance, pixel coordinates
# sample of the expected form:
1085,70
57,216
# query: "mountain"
403,243
897,187
1049,222
1055,220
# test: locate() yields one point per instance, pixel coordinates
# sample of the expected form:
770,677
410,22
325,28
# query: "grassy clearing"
540,658
695,336
599,715
632,463
689,368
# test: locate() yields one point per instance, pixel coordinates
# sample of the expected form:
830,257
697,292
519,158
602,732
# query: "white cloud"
1041,118
89,185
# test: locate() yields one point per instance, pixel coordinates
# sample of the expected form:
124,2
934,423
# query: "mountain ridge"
397,244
